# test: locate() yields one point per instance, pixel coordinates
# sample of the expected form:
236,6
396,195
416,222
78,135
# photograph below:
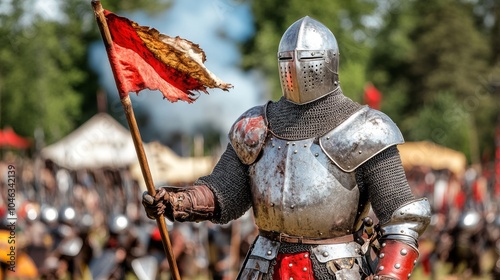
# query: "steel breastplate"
299,191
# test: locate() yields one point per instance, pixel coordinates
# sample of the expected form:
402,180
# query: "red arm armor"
396,260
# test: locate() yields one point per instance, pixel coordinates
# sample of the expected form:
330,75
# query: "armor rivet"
290,264
272,204
402,231
381,256
269,252
375,278
316,154
279,147
360,152
273,145
328,138
381,268
414,262
291,278
293,206
306,255
305,145
404,252
409,274
383,244
293,144
325,254
287,143
295,151
304,269
397,266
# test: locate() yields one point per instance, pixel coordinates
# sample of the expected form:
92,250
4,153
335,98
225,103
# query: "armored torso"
308,187
299,191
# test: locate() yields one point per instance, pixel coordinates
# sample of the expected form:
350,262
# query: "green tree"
430,61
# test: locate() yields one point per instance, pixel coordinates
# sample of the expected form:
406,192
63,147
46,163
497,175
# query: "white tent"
168,168
100,142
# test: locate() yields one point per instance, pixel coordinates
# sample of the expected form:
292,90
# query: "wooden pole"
136,137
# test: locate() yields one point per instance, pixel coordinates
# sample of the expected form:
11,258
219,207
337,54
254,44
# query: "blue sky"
201,22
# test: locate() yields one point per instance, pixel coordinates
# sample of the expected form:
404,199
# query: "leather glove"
154,206
195,203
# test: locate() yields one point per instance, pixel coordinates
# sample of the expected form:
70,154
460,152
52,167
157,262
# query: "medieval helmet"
308,58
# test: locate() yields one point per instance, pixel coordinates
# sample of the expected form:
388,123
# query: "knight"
311,166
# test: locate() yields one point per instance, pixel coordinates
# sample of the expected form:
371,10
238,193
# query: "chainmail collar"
295,122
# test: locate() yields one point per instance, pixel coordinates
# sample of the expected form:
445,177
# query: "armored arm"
381,178
399,241
402,217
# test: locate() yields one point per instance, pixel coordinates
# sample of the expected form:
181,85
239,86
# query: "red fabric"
296,266
155,235
9,138
136,68
373,97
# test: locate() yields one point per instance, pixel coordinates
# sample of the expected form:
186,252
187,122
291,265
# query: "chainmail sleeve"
230,183
384,180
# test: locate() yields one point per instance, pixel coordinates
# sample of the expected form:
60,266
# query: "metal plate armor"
299,191
363,135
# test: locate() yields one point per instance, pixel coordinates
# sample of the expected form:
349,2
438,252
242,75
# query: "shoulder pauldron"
362,136
248,134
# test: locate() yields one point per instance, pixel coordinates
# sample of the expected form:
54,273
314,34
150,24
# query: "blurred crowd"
89,224
465,227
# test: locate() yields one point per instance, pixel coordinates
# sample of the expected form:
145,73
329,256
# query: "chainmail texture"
291,121
230,183
384,180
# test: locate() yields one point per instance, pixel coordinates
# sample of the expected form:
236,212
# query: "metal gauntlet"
195,203
399,246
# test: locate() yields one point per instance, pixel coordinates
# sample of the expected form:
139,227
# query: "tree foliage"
431,61
434,61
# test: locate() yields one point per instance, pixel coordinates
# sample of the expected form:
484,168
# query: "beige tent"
169,168
432,155
100,142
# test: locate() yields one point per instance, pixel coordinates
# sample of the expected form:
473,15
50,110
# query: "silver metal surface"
410,219
308,57
362,136
299,191
326,253
248,133
265,248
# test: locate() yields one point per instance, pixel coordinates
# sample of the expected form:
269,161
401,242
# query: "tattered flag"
141,57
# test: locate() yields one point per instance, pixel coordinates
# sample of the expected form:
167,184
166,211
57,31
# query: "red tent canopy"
10,139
